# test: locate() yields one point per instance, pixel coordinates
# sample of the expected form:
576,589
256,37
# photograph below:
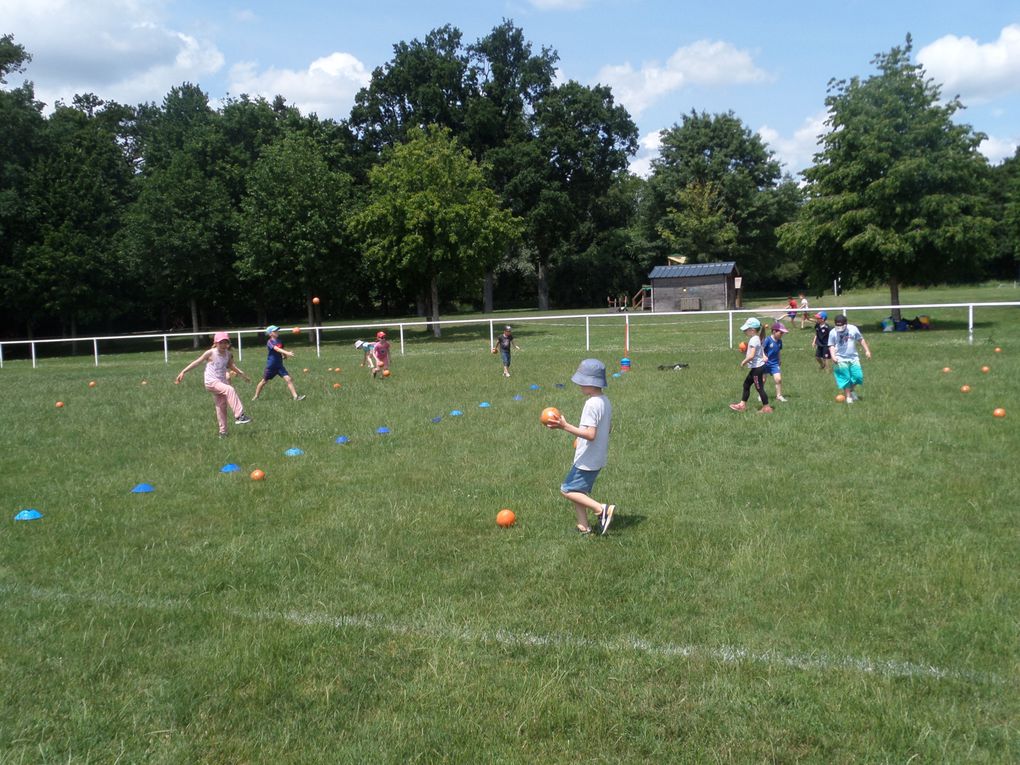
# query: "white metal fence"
734,318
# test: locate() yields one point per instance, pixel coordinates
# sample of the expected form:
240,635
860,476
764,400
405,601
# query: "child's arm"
236,370
193,364
748,356
588,433
867,350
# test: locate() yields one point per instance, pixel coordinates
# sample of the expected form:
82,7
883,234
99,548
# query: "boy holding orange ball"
592,449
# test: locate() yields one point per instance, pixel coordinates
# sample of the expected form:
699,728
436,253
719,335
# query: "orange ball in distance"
92,383
964,389
840,398
336,385
999,412
549,414
946,369
296,330
257,475
385,372
315,301
60,405
986,370
505,518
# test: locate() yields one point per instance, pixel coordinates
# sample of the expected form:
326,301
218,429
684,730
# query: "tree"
1005,199
581,142
80,185
292,225
897,193
21,138
430,217
717,193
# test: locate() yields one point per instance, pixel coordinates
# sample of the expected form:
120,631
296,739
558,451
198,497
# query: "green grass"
829,584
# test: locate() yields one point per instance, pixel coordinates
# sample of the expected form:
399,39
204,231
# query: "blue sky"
769,63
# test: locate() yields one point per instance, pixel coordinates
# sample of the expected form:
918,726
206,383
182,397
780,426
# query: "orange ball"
549,414
742,347
840,398
92,383
145,382
946,369
964,389
315,301
385,372
1000,412
257,475
60,405
336,385
296,330
505,518
337,370
986,370
305,370
998,350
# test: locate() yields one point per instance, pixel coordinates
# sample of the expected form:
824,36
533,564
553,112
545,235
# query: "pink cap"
220,337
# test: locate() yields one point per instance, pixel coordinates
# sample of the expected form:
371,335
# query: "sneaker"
784,399
254,398
850,399
299,398
244,419
766,410
853,397
738,407
221,435
607,517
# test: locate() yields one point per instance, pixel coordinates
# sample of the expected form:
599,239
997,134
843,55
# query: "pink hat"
220,337
778,327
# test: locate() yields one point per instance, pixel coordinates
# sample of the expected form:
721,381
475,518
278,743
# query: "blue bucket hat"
751,323
271,329
590,372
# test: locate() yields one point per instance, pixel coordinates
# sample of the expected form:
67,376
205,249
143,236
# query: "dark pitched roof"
693,269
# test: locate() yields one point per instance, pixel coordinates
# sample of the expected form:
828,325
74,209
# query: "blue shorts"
273,371
579,480
506,357
771,368
848,374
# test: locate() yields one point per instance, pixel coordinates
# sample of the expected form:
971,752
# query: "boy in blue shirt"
274,364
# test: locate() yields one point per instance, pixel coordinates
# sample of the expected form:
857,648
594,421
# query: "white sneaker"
850,399
784,399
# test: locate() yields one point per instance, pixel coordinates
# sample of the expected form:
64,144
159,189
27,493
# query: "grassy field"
827,584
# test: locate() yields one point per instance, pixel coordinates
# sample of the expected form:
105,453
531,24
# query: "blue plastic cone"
29,514
342,439
294,452
143,488
382,431
230,467
484,405
456,413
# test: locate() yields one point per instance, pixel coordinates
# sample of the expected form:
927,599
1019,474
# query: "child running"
821,339
218,360
773,346
274,364
591,452
846,361
504,343
754,360
366,349
380,354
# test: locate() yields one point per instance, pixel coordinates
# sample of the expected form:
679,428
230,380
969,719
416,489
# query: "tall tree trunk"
437,331
74,335
894,297
311,310
421,303
487,292
543,286
194,321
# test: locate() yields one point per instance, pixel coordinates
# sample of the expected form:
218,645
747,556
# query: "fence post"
401,328
95,350
587,333
1,355
166,351
318,350
729,327
240,350
970,324
492,336
33,354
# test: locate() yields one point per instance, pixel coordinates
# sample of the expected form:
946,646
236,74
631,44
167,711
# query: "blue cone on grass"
143,488
230,467
29,514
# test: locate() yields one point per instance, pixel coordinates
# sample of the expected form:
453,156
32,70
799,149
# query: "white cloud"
327,87
977,72
796,152
998,149
705,62
648,149
119,49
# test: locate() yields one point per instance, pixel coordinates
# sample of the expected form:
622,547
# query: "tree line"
466,177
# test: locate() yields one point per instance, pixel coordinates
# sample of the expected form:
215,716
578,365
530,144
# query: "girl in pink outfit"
218,360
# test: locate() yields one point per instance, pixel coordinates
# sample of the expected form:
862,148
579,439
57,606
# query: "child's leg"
290,384
582,504
231,397
258,388
220,402
759,385
779,384
746,394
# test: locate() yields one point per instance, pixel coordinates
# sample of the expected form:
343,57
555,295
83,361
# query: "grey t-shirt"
593,455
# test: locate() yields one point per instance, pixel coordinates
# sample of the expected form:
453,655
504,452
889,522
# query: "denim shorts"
579,480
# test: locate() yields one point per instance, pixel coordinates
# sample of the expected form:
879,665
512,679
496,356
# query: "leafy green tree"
580,147
897,193
424,84
293,241
717,193
178,232
430,218
21,139
1005,199
80,186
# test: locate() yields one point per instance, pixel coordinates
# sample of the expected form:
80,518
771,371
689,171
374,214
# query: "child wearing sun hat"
592,449
773,346
218,360
754,360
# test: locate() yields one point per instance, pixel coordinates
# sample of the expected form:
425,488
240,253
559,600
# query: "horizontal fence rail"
734,318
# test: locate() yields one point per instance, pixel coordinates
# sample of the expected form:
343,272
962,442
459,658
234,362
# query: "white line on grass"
820,662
